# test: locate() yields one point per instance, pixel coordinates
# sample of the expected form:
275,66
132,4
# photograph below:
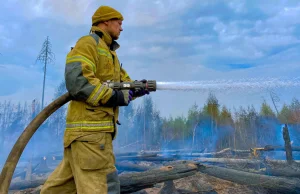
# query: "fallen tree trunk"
273,167
132,182
273,184
288,171
136,181
282,168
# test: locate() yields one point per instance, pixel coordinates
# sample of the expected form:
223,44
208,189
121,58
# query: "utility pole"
46,56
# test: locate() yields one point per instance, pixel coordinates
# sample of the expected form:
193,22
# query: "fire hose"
15,154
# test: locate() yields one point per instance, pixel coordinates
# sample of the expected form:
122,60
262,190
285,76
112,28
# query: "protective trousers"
88,166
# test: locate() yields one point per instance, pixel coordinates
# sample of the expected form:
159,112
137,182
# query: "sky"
167,40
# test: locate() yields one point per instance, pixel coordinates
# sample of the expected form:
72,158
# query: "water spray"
226,85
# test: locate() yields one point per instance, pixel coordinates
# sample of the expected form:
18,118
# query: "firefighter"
88,165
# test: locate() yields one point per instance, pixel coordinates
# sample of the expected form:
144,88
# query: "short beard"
115,37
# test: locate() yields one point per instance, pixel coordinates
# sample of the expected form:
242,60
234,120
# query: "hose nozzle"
148,85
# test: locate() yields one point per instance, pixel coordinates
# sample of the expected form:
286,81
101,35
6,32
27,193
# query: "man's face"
114,28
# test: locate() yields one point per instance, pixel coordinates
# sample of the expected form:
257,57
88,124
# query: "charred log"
137,181
282,168
271,183
288,146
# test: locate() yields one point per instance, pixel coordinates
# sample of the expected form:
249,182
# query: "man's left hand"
140,92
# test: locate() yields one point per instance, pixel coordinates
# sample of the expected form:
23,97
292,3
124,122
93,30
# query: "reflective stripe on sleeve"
96,95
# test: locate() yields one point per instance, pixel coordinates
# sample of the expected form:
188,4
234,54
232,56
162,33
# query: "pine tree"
225,129
211,113
285,114
266,110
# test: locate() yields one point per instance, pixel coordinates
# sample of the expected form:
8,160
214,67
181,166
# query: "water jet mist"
226,85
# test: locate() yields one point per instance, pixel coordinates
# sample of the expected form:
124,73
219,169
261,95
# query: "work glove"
140,91
119,98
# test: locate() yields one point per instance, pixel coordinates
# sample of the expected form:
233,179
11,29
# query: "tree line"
210,127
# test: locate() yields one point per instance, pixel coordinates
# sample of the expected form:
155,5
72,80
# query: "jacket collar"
112,44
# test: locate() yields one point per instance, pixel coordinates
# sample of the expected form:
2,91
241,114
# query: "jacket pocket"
92,152
98,113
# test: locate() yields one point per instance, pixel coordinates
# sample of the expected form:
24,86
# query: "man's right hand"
127,97
119,98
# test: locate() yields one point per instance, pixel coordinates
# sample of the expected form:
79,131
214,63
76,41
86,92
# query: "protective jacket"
89,64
